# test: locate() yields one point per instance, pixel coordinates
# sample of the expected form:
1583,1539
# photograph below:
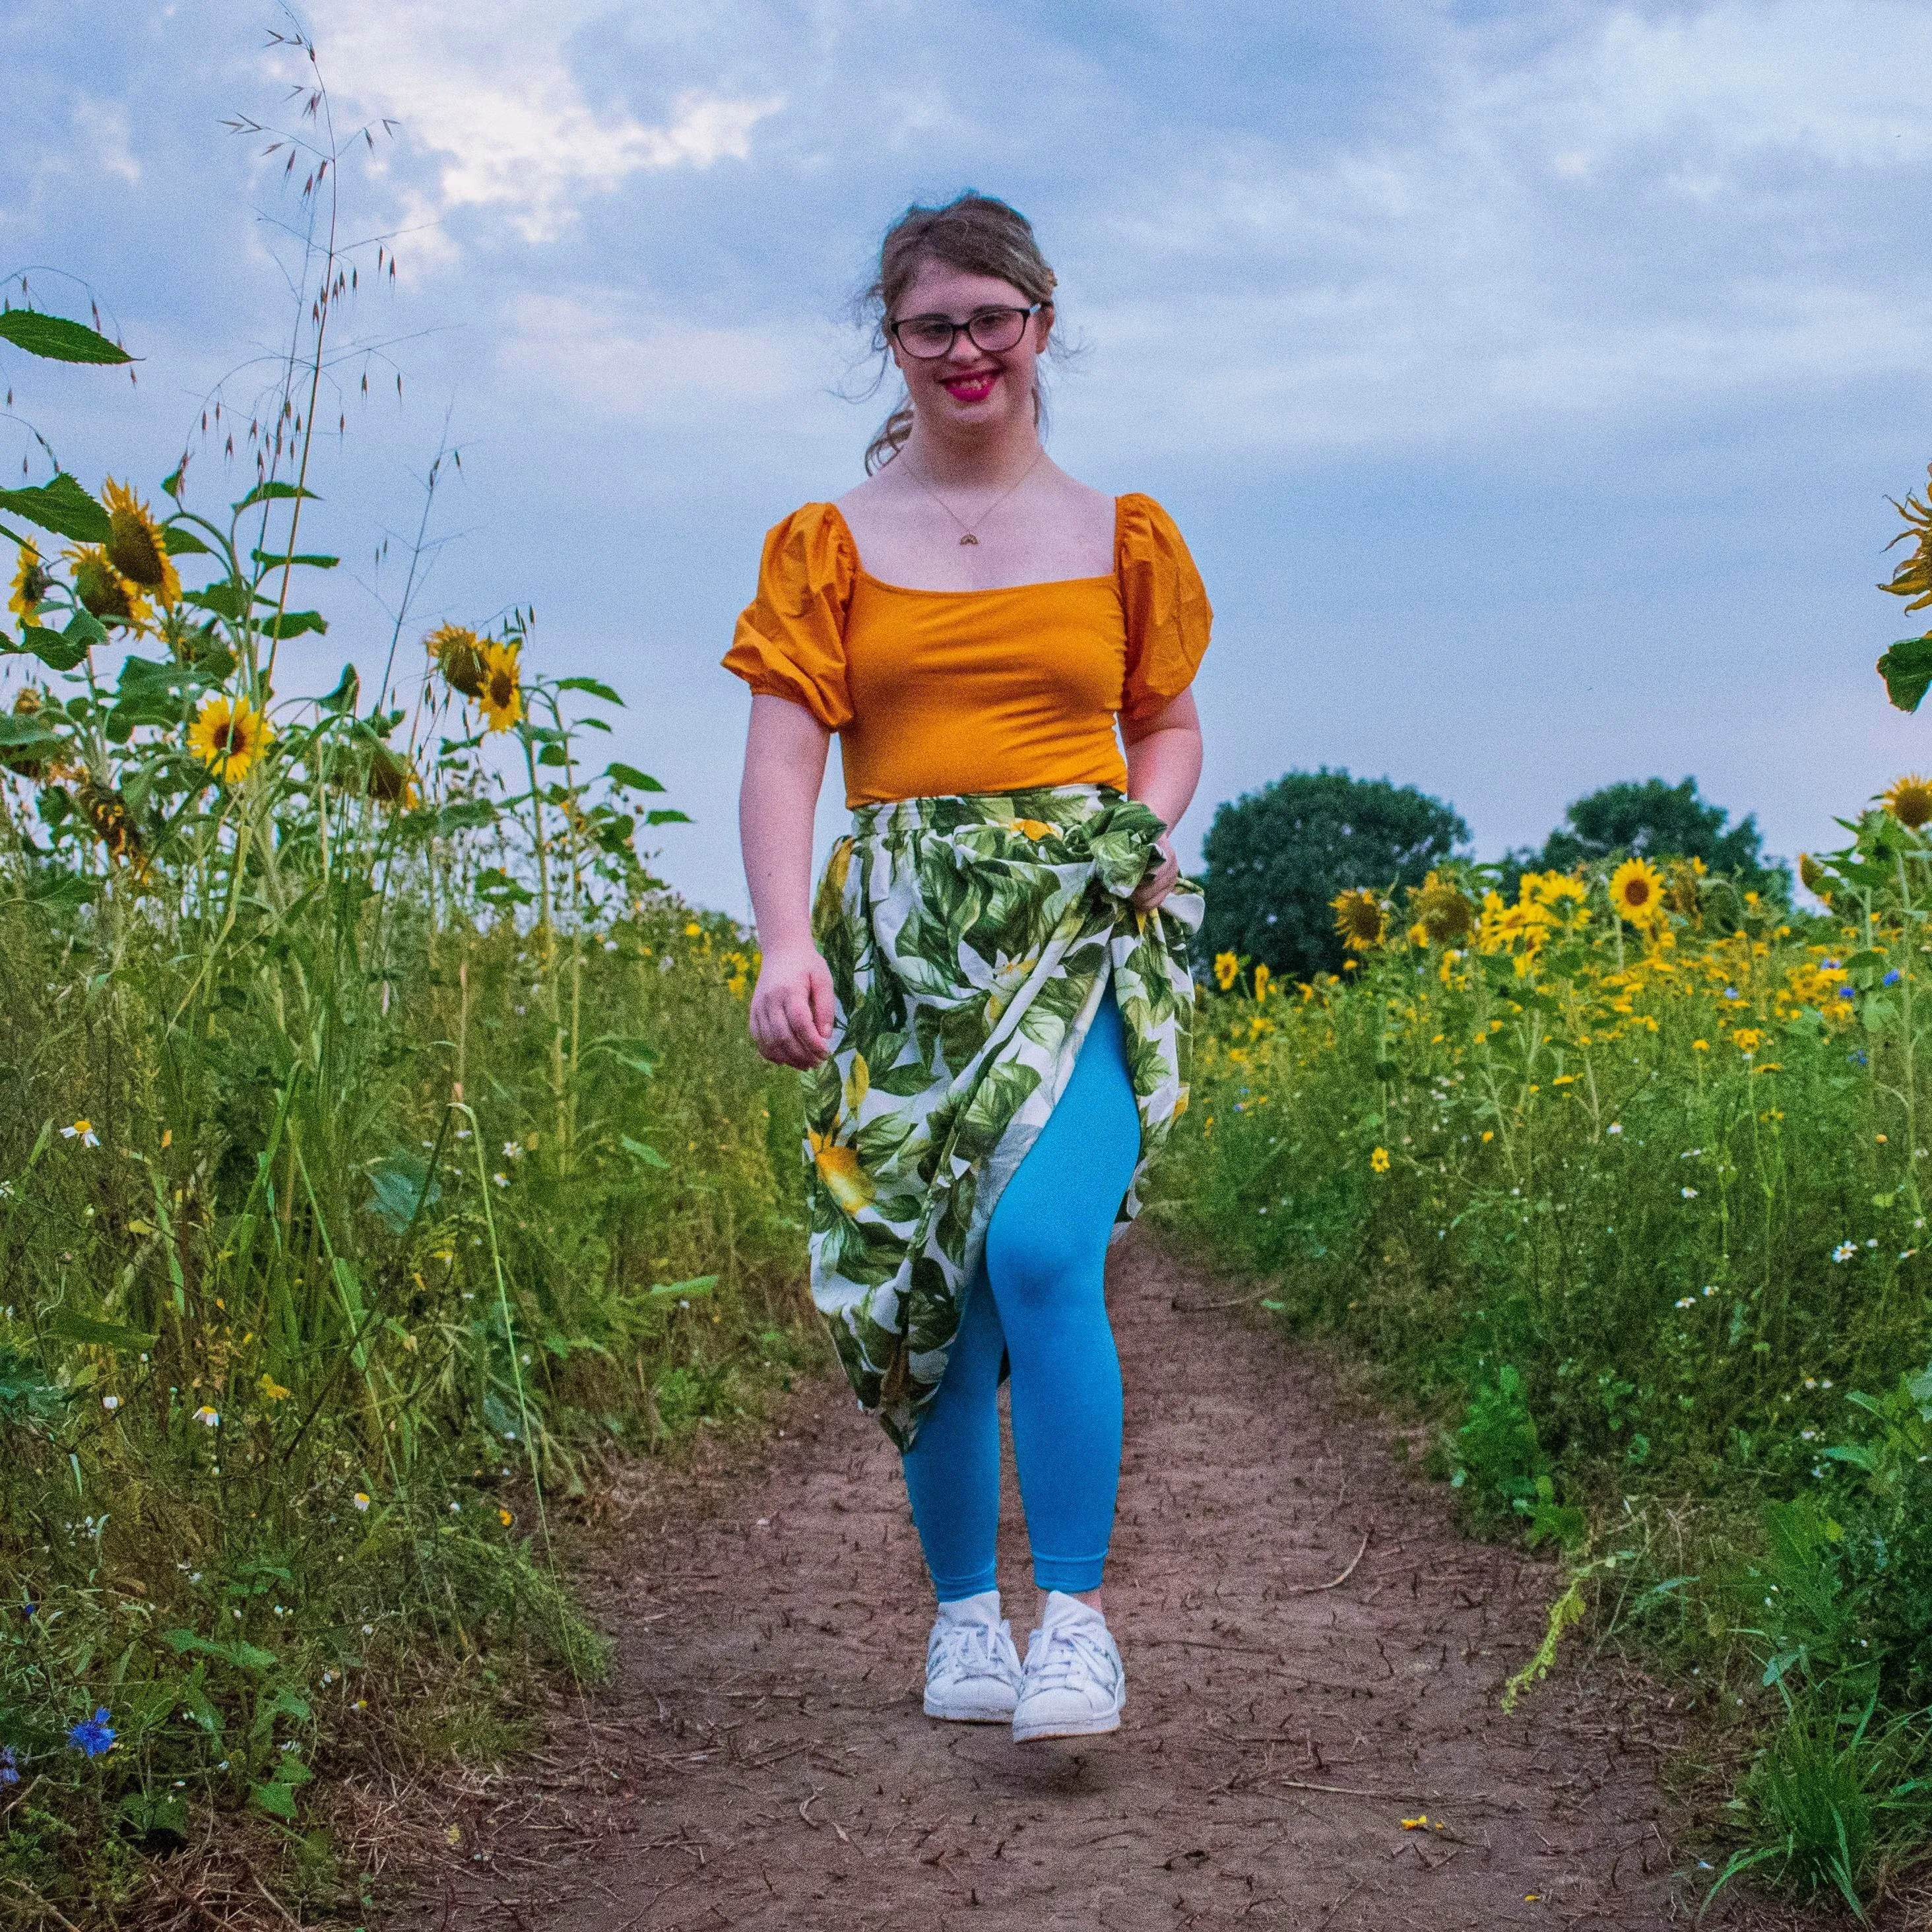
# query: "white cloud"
491,95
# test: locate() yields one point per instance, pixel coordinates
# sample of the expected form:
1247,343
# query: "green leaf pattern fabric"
971,941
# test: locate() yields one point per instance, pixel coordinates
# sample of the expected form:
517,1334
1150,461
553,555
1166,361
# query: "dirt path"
761,1759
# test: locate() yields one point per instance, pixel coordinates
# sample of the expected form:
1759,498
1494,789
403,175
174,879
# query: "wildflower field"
1622,1178
380,1144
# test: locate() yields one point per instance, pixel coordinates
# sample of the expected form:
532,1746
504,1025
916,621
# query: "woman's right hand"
792,1008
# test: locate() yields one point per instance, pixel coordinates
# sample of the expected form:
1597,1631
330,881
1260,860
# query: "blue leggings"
1039,1300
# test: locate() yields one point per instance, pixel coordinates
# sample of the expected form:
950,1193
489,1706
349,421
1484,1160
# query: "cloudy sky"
1528,376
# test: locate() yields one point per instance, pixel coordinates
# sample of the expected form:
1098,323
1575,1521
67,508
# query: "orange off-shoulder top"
936,693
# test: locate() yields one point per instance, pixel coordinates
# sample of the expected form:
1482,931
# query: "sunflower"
1441,910
228,736
1227,967
33,766
1817,880
1359,919
31,584
391,778
501,697
1684,891
106,810
1264,979
459,654
136,546
1909,799
1637,891
104,591
1912,579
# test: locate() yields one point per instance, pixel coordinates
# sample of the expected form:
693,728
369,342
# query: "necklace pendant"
969,538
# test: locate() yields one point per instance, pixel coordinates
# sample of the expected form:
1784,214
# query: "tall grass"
378,1140
1624,1181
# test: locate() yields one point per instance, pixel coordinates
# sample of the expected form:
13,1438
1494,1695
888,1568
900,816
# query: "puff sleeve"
1167,613
790,639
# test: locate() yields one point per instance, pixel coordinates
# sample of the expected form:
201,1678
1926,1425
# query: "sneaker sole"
1074,1727
970,1714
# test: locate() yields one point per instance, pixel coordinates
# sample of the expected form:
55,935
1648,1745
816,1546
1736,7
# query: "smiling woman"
991,999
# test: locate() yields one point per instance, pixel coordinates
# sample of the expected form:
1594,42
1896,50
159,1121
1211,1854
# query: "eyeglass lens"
992,329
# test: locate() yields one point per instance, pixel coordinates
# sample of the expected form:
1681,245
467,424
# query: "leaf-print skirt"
971,940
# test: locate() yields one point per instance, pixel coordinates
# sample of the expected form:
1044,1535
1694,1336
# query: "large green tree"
1655,820
1276,858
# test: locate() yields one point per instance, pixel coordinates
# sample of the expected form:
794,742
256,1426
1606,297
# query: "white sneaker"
1074,1684
972,1669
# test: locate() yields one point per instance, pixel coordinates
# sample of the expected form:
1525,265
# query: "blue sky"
1529,379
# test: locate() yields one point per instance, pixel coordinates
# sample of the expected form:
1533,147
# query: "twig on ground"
1316,1589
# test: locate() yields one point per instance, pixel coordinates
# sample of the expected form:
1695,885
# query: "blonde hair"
975,234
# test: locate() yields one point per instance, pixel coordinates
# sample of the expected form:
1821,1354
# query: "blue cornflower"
10,1765
1731,993
1892,978
1848,992
94,1736
1858,1055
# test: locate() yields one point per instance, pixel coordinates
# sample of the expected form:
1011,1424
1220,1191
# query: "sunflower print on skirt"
971,940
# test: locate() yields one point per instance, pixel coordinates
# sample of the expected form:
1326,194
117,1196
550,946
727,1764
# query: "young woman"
992,993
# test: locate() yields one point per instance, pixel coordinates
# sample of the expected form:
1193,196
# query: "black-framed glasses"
994,330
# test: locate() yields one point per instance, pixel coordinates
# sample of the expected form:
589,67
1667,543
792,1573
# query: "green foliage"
1275,859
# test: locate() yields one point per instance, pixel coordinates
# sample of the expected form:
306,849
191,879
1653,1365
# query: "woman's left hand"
1160,881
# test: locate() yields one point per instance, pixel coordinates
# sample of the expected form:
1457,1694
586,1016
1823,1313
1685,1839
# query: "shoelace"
964,1647
1071,1654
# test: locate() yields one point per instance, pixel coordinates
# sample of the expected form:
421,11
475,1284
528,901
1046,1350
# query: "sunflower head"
1636,892
1816,879
29,702
502,696
1909,799
104,591
32,583
1442,910
1227,967
136,546
459,655
1683,888
1912,579
228,736
1360,918
106,810
392,779
1264,979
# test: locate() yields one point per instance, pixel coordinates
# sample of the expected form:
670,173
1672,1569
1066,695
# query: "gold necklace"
969,538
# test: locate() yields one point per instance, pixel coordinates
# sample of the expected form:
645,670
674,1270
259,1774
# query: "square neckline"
985,590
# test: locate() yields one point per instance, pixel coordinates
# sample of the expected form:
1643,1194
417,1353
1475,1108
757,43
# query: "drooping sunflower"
32,583
1684,889
1909,799
1636,892
1442,910
36,766
502,697
228,736
459,654
1816,879
105,592
391,778
136,546
1912,579
106,810
1360,918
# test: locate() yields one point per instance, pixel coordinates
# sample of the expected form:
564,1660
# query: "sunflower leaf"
57,340
293,623
595,687
666,817
314,560
228,598
55,652
268,493
61,506
183,543
631,779
1906,669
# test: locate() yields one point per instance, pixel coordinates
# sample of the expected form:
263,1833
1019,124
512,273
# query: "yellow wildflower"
1379,1160
1263,979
